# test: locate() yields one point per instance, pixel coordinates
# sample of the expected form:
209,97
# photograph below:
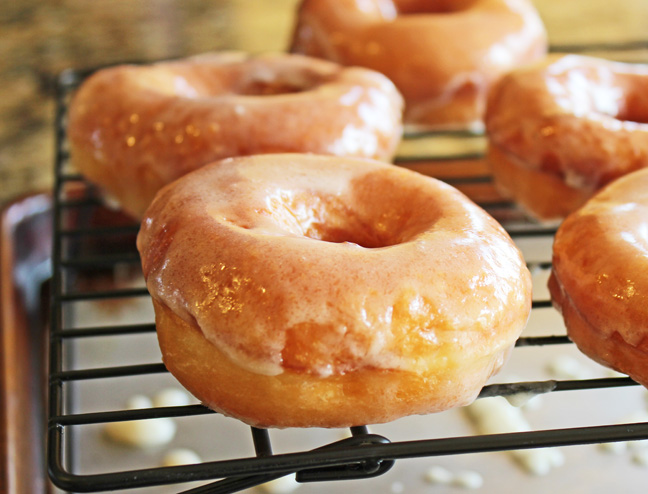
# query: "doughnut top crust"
581,119
326,266
442,55
599,265
133,129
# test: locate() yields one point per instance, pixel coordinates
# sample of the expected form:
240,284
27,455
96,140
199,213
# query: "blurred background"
40,38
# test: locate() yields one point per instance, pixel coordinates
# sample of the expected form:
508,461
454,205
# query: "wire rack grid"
362,455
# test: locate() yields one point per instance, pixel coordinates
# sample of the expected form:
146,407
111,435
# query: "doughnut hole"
261,87
167,82
375,213
634,88
583,90
210,81
636,107
408,7
267,83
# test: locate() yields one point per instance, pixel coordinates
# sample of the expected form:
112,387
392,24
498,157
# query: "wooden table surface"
39,38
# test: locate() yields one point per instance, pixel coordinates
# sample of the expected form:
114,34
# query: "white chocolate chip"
438,475
615,448
567,367
468,479
539,461
171,397
282,485
141,433
180,456
530,401
137,402
496,416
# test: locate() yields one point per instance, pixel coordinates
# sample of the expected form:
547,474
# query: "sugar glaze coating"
442,55
133,129
599,281
561,129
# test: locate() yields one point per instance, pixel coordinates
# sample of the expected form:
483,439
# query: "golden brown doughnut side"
543,195
333,270
444,76
133,129
599,281
609,350
297,399
571,119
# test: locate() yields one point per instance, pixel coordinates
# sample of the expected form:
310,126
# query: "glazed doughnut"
301,290
560,129
133,129
442,55
599,279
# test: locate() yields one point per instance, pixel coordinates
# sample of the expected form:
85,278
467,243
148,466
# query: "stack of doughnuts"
133,129
442,55
300,290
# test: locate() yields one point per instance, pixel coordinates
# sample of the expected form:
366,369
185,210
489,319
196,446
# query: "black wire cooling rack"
76,256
